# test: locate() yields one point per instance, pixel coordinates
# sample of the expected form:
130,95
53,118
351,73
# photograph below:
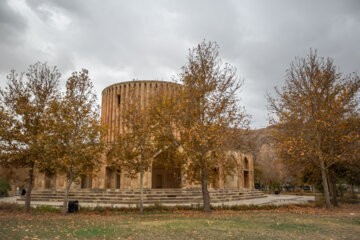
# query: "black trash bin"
277,192
73,206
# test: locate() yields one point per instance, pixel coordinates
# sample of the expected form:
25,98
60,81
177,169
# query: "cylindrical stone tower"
116,97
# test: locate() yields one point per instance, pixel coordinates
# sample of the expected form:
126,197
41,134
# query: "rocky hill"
266,160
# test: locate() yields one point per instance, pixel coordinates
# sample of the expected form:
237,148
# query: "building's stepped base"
151,196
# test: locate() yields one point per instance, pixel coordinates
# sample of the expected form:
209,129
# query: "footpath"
268,200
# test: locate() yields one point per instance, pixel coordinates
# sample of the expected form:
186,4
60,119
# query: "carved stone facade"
114,99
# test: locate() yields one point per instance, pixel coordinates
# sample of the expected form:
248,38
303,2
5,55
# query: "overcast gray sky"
124,40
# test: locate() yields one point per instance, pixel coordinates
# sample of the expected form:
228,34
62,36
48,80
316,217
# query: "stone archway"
216,179
246,163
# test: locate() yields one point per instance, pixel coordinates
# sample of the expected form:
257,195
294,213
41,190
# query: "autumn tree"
352,175
315,112
204,117
135,149
348,171
24,103
74,142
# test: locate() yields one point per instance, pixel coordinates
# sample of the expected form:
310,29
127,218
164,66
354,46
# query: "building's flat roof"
139,81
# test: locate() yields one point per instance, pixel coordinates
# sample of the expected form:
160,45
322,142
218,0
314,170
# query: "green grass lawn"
305,223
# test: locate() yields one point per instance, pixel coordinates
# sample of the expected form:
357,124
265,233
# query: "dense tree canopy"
75,130
317,115
134,149
23,127
204,119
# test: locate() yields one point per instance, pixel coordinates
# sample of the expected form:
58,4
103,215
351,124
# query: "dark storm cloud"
121,40
12,24
12,28
69,5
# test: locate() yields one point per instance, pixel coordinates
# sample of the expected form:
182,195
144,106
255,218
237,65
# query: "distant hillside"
265,156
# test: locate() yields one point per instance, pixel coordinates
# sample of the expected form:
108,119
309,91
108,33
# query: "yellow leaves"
314,112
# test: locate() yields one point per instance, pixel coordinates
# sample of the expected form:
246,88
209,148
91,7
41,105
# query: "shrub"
45,209
4,187
11,207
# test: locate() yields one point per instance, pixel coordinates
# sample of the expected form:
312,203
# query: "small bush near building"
11,207
4,187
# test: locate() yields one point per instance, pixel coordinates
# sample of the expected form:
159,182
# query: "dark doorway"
50,181
158,181
112,179
108,177
166,178
86,182
246,179
117,179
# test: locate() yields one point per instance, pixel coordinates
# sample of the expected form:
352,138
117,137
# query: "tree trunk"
334,193
66,197
331,192
29,188
205,191
341,193
353,195
325,184
141,192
